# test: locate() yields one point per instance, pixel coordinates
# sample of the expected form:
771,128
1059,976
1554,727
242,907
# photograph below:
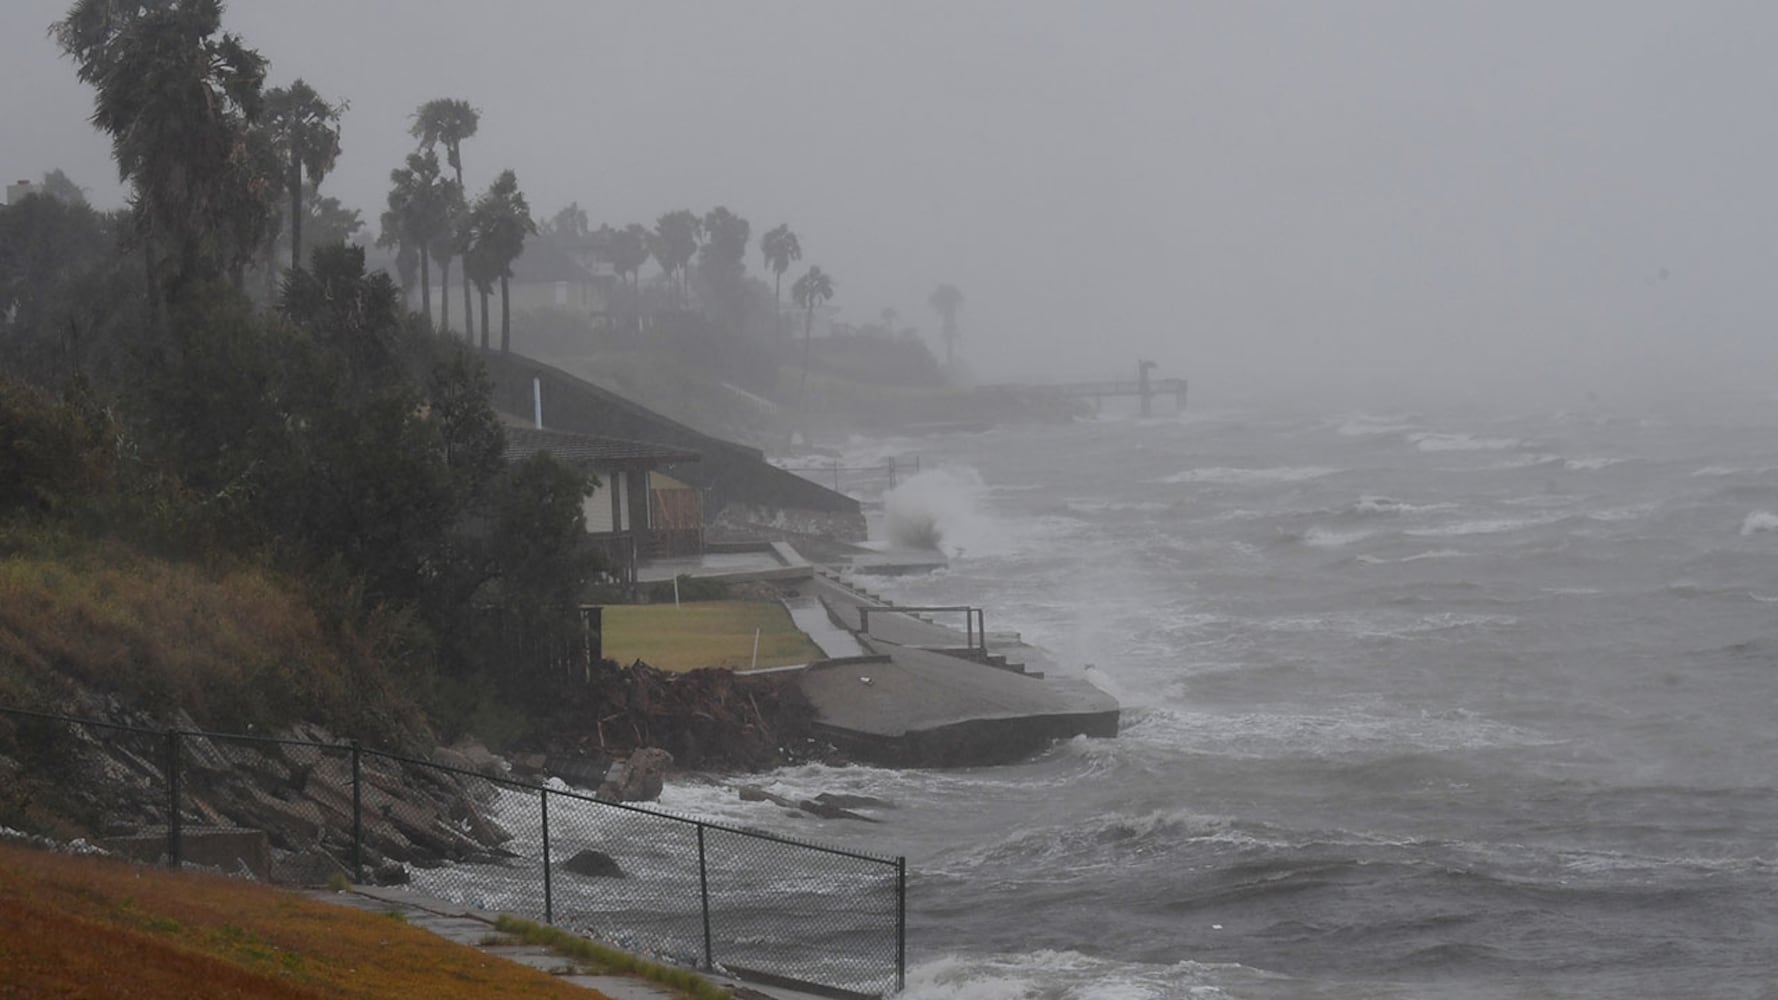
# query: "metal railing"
855,479
678,889
975,623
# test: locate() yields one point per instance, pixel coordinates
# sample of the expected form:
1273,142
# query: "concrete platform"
918,703
766,561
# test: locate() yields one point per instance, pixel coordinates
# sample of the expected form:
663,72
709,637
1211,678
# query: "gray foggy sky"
1423,198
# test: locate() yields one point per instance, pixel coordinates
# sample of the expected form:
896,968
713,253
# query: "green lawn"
705,634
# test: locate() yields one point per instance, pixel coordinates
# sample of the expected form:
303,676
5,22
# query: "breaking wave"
1250,477
1430,441
1759,521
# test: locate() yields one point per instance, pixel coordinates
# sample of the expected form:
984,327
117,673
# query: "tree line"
149,398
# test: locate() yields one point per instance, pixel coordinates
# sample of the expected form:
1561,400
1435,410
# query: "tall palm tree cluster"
431,221
209,154
217,162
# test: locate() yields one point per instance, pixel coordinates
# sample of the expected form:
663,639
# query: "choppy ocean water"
1415,706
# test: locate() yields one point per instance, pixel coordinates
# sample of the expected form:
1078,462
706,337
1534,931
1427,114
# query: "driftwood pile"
707,719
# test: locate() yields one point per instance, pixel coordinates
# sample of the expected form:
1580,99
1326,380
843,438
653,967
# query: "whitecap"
1416,557
1431,441
1759,521
1327,538
1485,526
1250,477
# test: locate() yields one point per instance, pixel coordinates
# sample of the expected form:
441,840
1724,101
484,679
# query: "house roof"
523,442
543,263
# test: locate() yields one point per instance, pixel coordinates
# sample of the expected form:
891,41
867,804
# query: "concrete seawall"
924,701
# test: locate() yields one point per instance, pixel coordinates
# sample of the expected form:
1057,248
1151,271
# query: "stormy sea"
1417,704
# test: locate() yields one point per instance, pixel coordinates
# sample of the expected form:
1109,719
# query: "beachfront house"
624,519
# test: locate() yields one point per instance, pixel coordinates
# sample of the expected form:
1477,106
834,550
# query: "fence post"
704,892
549,903
901,923
357,814
175,849
836,475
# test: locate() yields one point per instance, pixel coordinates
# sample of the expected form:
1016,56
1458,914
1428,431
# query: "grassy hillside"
234,645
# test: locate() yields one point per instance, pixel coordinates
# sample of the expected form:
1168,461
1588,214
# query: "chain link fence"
675,889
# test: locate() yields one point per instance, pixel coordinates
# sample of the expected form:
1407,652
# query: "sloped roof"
523,442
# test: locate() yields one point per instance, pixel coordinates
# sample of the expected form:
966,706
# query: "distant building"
15,193
565,272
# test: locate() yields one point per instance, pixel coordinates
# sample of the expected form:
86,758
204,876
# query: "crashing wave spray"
939,509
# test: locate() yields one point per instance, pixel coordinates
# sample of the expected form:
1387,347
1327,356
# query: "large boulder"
638,779
594,864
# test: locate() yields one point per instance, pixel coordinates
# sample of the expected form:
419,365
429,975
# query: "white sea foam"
1484,526
1331,538
1430,441
1416,557
1590,464
1250,477
1264,734
1070,975
1724,471
1389,505
1365,426
1621,513
1759,521
941,509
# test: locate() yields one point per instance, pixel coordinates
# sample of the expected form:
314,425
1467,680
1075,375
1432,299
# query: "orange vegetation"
91,927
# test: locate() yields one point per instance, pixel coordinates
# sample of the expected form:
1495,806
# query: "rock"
389,873
595,864
638,779
528,763
311,866
478,788
754,793
482,827
826,811
482,760
853,801
580,770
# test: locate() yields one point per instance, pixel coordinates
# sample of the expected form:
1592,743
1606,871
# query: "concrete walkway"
917,703
475,928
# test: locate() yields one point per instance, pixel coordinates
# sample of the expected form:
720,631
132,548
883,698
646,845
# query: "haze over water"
1417,705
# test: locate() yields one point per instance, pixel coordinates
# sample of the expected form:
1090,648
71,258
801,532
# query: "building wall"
587,298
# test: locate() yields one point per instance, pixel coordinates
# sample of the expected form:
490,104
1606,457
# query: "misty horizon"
1357,203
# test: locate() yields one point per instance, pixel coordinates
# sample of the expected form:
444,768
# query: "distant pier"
1142,387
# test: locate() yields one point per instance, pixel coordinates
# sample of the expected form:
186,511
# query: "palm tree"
449,245
503,221
178,101
479,265
674,243
418,215
307,133
722,266
779,247
947,300
449,121
629,251
810,290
